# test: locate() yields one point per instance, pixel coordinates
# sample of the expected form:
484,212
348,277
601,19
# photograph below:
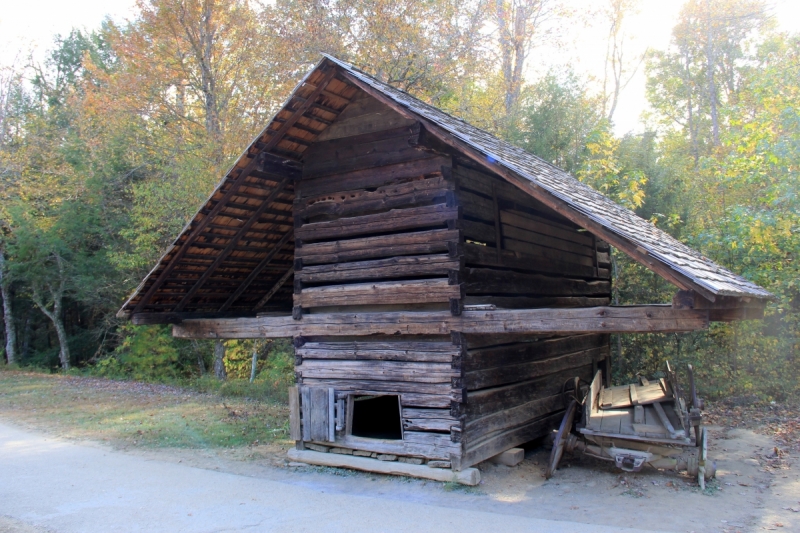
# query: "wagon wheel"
561,438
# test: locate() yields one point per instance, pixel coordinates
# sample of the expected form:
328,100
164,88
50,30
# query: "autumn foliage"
107,149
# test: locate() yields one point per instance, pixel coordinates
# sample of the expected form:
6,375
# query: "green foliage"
556,118
147,353
108,148
603,171
274,368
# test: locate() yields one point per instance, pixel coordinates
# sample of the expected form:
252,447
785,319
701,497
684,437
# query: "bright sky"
34,23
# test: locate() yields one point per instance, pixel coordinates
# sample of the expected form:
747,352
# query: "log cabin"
440,285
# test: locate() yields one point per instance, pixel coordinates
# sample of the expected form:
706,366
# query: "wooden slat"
384,154
442,352
384,293
382,386
490,281
492,377
394,220
502,441
360,179
378,370
419,444
358,144
415,243
429,424
406,194
392,267
319,413
515,415
485,256
550,242
526,352
544,227
544,253
305,405
294,414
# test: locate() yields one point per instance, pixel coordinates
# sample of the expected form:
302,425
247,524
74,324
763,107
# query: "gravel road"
49,484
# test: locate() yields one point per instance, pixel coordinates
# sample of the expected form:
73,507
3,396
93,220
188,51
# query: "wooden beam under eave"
724,308
634,319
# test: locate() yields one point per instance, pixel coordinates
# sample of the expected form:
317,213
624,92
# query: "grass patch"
127,413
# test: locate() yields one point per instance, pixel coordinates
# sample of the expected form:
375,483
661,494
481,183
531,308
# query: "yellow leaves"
605,173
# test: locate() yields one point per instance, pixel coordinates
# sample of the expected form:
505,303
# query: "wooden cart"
638,424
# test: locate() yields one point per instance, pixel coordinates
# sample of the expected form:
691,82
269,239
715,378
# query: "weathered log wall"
521,254
376,228
376,223
385,223
422,371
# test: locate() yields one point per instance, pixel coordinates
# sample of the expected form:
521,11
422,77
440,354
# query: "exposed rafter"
263,301
256,271
232,244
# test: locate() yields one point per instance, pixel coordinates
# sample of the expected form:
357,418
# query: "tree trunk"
26,336
62,341
254,364
690,117
517,23
201,365
8,315
219,360
58,323
712,87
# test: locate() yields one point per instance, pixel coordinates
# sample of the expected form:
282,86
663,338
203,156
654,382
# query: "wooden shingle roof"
234,258
620,226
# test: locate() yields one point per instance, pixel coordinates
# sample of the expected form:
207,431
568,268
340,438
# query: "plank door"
317,405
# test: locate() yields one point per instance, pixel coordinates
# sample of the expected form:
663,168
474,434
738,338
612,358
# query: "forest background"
108,146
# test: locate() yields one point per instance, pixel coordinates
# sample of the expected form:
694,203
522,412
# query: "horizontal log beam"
634,319
147,319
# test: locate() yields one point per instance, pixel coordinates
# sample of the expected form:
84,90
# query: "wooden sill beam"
634,319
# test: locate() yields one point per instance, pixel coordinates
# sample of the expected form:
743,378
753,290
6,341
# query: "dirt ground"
755,490
757,486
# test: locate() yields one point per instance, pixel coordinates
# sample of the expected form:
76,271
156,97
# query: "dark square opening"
377,417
